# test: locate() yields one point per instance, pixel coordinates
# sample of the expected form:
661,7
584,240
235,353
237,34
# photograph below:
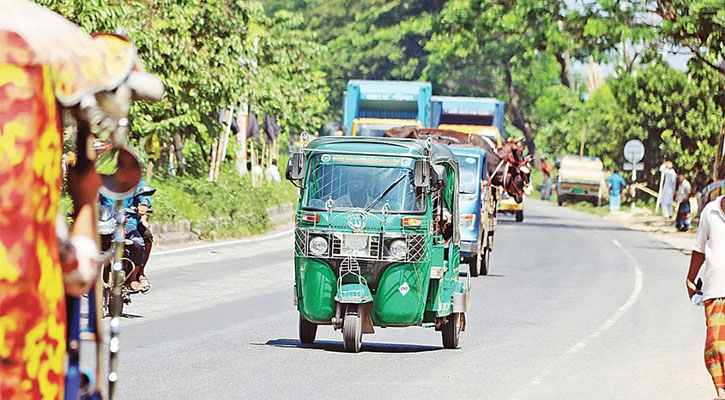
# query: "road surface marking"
240,241
636,291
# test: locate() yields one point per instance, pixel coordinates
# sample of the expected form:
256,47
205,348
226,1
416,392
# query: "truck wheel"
560,200
519,215
451,331
485,261
308,331
352,330
472,267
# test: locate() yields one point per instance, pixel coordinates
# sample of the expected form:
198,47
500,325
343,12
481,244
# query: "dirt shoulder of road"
644,220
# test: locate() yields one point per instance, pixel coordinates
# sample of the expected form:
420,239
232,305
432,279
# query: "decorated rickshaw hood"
416,148
79,63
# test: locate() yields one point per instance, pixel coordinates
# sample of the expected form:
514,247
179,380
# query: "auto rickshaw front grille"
378,246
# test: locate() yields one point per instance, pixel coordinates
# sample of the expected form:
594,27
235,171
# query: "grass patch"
227,208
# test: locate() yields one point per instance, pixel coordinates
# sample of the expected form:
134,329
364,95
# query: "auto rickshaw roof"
382,145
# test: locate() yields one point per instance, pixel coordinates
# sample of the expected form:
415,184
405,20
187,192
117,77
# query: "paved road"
575,307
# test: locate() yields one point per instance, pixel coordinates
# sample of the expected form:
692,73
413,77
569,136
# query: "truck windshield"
360,184
468,170
376,130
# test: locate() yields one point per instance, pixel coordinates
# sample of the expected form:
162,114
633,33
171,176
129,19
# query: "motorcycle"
110,237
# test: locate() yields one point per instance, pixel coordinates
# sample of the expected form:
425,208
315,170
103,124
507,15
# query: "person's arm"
698,257
83,184
696,261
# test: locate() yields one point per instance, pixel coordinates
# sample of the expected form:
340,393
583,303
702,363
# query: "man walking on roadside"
682,222
668,180
615,183
710,249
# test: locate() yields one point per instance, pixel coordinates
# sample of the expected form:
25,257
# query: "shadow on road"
334,346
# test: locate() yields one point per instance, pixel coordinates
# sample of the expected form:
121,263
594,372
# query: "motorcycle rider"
138,235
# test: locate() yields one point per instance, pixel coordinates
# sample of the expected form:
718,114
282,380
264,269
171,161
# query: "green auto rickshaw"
376,238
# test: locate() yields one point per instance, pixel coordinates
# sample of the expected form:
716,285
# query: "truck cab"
474,115
372,107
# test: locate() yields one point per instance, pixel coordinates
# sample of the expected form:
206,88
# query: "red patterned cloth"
715,340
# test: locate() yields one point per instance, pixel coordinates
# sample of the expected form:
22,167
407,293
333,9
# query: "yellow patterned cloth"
44,61
715,340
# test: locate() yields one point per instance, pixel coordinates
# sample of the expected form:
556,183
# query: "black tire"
485,261
352,330
472,268
308,331
451,331
519,215
560,200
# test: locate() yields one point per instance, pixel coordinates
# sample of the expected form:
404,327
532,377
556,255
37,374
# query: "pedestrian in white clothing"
667,194
709,249
272,173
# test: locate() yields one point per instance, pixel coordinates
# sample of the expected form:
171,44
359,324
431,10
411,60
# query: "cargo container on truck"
477,115
372,107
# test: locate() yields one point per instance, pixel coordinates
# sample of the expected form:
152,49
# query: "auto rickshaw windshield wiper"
384,193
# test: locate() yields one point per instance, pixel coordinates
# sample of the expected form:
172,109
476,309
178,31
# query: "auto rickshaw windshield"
367,182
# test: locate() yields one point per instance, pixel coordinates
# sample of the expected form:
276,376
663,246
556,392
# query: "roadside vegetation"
543,58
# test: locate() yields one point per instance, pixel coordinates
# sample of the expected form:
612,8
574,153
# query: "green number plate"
577,191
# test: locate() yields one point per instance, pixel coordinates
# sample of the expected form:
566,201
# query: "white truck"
580,178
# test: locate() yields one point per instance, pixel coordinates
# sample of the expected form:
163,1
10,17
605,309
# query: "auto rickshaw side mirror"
421,171
295,167
440,178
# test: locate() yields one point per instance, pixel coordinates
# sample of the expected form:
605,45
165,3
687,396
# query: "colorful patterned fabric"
32,305
44,60
715,340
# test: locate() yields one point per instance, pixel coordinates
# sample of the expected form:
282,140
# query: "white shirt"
669,180
711,241
683,193
272,174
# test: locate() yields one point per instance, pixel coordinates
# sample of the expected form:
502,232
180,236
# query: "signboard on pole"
634,151
630,166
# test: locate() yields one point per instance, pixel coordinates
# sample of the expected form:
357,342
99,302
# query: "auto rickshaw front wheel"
451,330
308,331
352,329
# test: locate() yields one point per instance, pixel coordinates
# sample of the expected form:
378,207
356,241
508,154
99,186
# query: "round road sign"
634,151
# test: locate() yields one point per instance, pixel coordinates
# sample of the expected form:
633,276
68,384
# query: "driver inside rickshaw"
359,182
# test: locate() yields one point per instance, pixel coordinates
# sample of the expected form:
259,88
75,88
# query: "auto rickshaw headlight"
318,245
398,249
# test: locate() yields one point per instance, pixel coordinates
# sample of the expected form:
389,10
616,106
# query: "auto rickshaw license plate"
355,245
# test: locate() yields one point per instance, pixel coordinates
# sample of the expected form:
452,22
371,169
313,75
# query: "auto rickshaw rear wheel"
451,331
308,331
352,329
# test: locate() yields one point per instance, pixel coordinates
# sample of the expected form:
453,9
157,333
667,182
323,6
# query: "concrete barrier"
169,233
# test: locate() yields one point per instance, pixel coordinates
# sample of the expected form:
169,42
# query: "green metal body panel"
354,293
316,289
401,296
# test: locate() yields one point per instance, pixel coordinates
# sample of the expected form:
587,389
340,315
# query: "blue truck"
473,207
477,115
372,107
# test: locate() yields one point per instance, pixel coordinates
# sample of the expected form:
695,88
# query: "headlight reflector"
318,245
398,249
466,222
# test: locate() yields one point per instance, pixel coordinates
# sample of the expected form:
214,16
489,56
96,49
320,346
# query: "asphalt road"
575,307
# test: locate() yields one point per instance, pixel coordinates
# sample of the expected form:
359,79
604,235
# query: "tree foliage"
210,55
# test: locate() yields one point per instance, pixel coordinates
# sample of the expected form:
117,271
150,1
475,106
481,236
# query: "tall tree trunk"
518,117
718,170
567,75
